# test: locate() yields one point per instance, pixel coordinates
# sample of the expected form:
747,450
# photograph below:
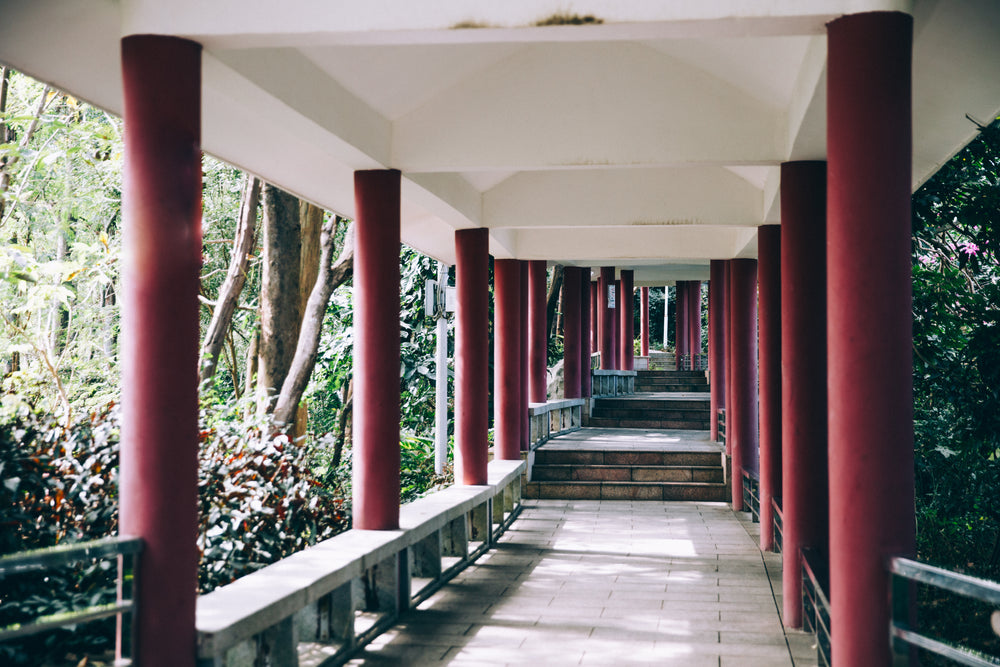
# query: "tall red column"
769,300
472,322
869,148
619,332
162,262
694,321
537,333
727,346
741,420
717,342
803,361
525,366
644,321
572,332
507,359
595,341
376,350
626,345
680,323
605,286
588,298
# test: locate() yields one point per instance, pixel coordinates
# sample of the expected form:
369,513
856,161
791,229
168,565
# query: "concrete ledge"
254,604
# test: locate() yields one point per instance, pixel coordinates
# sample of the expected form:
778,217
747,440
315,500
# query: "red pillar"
162,261
717,342
803,361
741,422
507,359
572,332
472,322
869,334
376,350
727,347
619,331
537,333
769,295
680,323
694,321
605,286
626,345
588,298
644,320
525,418
595,341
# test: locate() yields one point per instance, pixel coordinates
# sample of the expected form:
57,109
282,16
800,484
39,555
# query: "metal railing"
125,549
816,604
779,524
905,574
692,362
751,495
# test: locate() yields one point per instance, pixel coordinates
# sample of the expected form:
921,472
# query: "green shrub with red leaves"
258,502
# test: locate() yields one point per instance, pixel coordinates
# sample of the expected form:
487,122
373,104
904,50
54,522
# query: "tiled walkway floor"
602,583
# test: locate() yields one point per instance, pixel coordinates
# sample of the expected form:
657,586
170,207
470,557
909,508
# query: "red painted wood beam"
572,332
537,333
161,79
869,335
805,484
769,296
376,350
472,322
717,341
507,359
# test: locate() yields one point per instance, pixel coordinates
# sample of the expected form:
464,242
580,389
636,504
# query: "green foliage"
956,380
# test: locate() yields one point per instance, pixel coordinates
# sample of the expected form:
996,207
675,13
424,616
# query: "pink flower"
968,247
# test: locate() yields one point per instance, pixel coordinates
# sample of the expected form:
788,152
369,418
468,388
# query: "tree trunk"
236,276
312,227
250,373
330,278
552,300
279,294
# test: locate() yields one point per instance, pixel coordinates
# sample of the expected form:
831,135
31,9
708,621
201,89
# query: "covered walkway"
607,582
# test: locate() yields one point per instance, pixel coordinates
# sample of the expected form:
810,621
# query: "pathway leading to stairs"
604,583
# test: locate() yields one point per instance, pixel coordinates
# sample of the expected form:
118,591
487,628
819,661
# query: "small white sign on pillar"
611,296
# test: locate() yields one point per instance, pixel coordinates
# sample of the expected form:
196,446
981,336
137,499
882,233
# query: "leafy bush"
258,502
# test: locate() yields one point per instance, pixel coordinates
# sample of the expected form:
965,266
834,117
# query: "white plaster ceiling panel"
626,244
699,195
559,105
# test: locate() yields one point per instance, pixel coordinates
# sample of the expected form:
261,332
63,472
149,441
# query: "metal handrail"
816,607
125,549
778,521
751,496
905,573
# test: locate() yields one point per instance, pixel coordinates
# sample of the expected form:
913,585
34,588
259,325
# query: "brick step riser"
685,388
625,474
699,425
653,415
615,491
640,375
641,459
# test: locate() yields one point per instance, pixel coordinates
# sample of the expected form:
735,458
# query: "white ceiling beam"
300,23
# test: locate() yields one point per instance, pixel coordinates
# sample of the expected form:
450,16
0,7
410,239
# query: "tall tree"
229,294
331,276
279,295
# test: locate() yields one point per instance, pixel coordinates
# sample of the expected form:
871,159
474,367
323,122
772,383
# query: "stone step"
625,458
671,374
680,388
683,424
694,491
611,473
686,404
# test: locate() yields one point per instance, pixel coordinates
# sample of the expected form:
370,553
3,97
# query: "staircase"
659,381
588,474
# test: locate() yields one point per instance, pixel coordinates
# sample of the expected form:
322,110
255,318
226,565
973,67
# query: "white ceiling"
651,141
